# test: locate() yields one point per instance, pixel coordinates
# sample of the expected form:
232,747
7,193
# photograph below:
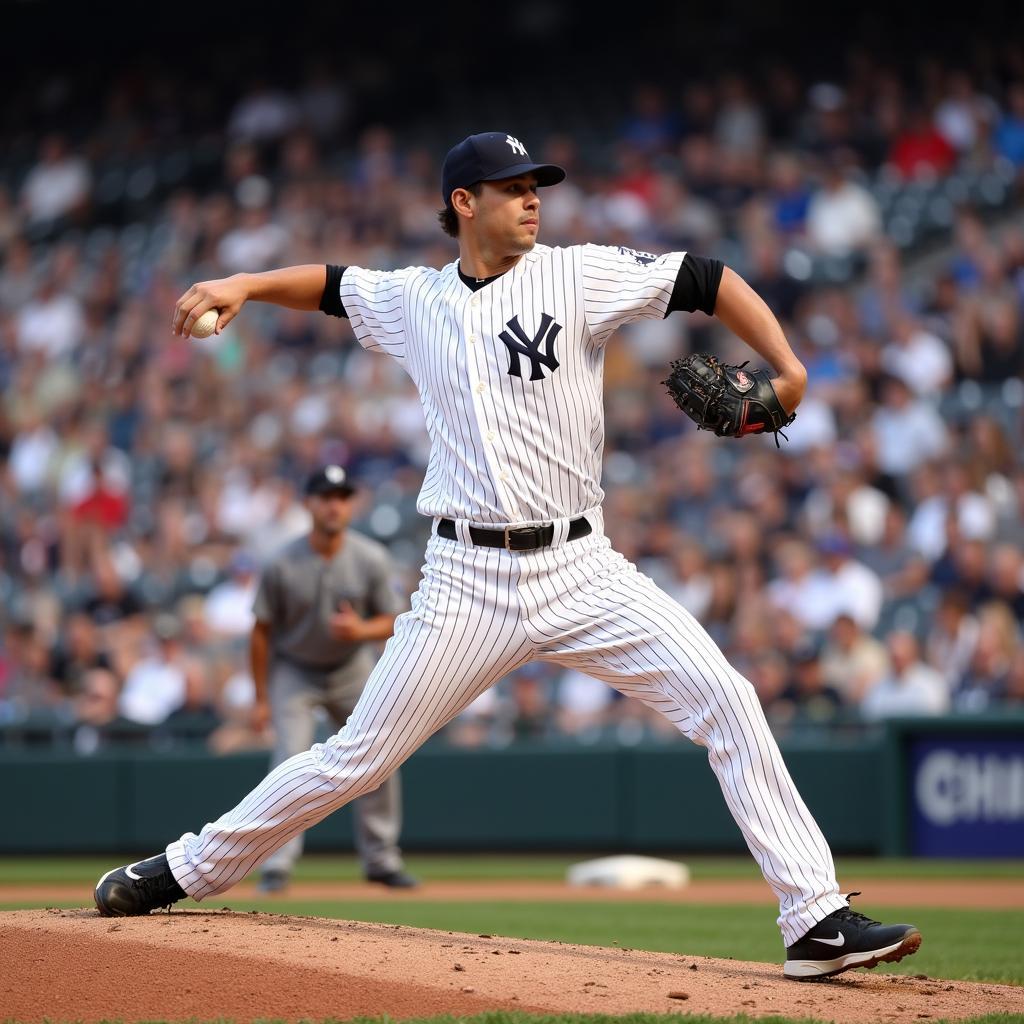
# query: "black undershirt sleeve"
330,301
696,285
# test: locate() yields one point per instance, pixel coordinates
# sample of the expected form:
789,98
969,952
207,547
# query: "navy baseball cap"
330,480
491,156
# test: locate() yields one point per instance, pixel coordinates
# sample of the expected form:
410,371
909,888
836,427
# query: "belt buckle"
519,530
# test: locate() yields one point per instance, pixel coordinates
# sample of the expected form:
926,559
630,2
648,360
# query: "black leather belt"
515,538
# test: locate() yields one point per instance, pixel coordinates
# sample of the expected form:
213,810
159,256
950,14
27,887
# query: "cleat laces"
156,889
851,915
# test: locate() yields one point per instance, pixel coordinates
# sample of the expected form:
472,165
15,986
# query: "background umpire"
321,603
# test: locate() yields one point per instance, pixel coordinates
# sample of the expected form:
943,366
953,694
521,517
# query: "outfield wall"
931,787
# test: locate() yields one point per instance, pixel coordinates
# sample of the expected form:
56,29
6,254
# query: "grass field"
976,945
439,867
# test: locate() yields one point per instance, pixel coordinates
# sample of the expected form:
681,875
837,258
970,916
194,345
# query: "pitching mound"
223,964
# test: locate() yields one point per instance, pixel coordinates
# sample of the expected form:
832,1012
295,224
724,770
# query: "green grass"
445,867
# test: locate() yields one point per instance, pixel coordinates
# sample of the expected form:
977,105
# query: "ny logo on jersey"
522,344
517,146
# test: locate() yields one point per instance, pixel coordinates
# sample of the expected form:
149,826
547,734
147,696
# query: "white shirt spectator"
153,689
907,435
975,518
264,114
856,590
228,607
245,508
922,361
52,323
866,510
694,593
32,455
808,599
622,210
842,219
291,521
239,692
815,427
253,247
55,186
964,115
862,507
819,597
956,124
926,529
919,690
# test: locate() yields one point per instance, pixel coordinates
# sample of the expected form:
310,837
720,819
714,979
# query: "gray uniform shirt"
300,591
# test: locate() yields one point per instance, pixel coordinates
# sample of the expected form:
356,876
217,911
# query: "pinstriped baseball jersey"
511,375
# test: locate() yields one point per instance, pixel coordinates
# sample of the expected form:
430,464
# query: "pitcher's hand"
227,295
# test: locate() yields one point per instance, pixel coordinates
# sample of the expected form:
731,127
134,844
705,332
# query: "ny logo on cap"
517,146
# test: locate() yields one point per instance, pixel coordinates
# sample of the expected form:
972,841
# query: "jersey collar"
474,285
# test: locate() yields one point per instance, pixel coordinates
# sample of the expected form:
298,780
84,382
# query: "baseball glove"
727,399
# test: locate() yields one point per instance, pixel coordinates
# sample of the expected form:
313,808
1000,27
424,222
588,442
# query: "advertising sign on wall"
967,796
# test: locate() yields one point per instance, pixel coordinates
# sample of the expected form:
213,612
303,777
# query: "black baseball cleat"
846,939
392,879
137,888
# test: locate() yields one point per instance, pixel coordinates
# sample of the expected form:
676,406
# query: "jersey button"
503,475
474,301
481,387
490,435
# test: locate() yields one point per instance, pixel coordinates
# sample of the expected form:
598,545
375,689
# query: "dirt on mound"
61,965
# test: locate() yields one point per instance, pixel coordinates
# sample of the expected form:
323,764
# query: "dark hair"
449,218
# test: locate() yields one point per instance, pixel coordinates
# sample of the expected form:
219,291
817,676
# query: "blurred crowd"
871,567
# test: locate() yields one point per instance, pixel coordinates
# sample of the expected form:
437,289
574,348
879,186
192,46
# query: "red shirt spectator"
921,148
103,505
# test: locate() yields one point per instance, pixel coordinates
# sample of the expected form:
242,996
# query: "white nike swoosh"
131,874
837,941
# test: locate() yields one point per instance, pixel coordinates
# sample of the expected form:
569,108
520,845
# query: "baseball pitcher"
506,346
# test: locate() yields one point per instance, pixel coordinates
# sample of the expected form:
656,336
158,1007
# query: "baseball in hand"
206,324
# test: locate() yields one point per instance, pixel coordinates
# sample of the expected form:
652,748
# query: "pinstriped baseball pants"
478,614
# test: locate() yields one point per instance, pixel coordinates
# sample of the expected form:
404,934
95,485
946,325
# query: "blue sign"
967,797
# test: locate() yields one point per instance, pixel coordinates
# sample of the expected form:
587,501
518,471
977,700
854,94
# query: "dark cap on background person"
491,156
332,479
